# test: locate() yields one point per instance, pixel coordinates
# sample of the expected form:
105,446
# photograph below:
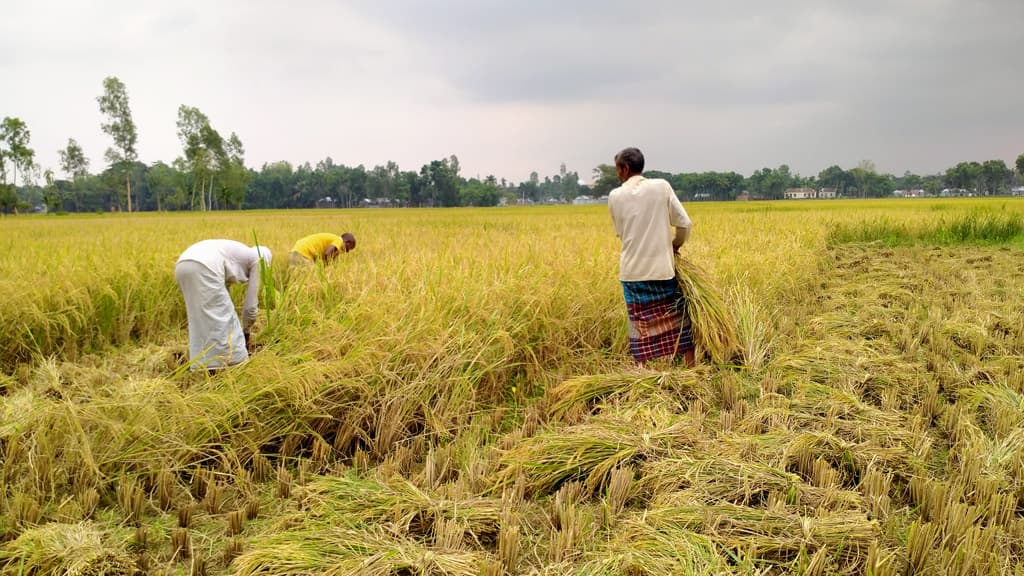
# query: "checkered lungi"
659,319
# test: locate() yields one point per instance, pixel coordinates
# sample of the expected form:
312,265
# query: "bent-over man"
323,247
216,337
644,211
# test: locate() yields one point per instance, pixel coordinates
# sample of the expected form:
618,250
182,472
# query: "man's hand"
331,253
681,235
248,341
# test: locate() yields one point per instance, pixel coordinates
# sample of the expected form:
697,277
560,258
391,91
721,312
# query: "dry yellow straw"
714,325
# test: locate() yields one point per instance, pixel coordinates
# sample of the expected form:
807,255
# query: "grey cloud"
736,53
516,86
893,80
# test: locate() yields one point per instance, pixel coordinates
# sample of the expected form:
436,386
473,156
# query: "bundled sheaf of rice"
779,535
358,502
74,549
586,452
335,551
714,324
717,476
585,391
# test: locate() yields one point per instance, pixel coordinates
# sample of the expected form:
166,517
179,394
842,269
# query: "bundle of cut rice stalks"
54,548
714,324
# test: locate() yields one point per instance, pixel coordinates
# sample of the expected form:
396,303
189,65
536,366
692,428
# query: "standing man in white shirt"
216,338
644,212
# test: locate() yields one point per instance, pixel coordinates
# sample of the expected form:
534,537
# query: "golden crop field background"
456,397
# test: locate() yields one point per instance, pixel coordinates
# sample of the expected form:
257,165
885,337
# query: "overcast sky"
512,86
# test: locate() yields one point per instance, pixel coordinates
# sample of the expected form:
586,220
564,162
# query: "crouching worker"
216,338
323,247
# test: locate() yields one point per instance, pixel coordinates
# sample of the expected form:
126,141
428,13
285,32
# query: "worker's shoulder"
656,183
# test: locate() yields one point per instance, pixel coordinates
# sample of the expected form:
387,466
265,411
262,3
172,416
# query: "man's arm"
615,221
250,306
682,235
678,218
331,253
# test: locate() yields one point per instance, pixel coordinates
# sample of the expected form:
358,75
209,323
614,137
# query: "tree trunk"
128,182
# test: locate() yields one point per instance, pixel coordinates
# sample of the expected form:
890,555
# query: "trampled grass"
456,397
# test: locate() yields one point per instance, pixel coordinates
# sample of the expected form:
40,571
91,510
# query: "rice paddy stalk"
714,324
881,390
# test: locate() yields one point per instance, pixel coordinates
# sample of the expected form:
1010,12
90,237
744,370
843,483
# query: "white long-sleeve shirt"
234,263
643,213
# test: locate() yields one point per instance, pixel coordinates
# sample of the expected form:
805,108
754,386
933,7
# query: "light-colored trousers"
215,338
296,259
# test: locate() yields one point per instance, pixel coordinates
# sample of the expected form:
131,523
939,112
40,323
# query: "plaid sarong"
659,319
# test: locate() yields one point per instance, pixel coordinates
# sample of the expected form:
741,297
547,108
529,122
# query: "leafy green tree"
214,145
119,126
32,194
15,153
440,184
477,193
994,176
384,181
1020,166
530,189
73,161
194,135
909,181
233,175
836,177
165,185
768,183
570,183
51,193
932,184
76,167
606,179
410,188
8,198
272,186
714,185
862,176
454,166
964,175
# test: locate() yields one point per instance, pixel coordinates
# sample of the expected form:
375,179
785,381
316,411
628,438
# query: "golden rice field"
456,398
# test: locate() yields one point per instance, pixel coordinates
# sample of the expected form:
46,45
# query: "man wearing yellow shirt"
323,247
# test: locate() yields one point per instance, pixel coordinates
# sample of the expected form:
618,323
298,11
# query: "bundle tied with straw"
714,325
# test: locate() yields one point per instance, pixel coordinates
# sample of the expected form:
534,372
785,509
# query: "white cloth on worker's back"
643,212
203,272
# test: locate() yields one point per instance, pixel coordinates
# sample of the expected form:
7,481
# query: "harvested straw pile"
776,535
407,509
714,324
585,394
335,551
73,549
586,452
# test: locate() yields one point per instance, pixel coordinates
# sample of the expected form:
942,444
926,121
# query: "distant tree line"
863,181
211,174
